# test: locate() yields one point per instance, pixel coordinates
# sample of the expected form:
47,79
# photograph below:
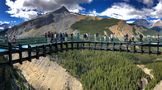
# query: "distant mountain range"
4,26
157,26
62,20
142,22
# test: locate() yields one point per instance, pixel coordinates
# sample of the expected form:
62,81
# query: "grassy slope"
157,72
102,70
94,26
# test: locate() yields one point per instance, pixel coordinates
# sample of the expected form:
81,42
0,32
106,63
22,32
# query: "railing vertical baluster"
120,45
50,49
10,53
66,44
56,48
72,45
61,46
127,47
149,47
142,47
107,46
83,45
158,50
89,45
134,47
78,45
101,45
44,51
20,54
29,53
95,45
37,52
113,48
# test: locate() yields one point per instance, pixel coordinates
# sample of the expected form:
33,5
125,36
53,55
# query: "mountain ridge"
62,20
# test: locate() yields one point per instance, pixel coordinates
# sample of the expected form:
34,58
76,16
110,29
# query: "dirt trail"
158,86
44,74
146,70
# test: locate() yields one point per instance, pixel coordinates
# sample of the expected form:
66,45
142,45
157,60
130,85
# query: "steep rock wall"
44,74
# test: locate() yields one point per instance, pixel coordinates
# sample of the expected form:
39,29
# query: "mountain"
56,21
142,23
4,26
61,10
157,26
62,20
122,28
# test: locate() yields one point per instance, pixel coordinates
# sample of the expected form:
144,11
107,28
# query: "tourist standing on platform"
72,36
52,37
126,38
66,36
46,36
105,38
141,37
111,37
14,40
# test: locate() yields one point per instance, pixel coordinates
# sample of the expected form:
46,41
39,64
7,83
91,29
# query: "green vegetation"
149,32
157,72
103,70
94,26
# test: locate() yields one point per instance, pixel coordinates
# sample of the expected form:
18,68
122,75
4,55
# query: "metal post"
66,46
72,45
107,46
77,45
127,46
61,46
134,47
10,53
95,43
113,49
44,51
149,47
158,50
56,48
83,45
20,54
89,44
142,47
101,45
29,53
120,45
50,49
37,52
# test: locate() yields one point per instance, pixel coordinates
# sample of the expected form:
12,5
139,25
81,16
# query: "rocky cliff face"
44,74
122,28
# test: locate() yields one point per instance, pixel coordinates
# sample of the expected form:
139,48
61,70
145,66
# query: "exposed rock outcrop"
44,74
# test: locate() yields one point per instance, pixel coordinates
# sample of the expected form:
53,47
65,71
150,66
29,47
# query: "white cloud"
92,13
147,2
126,12
28,9
130,22
4,22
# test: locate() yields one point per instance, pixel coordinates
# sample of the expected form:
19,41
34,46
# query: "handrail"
48,48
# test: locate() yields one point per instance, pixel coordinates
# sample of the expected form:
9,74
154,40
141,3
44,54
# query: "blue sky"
17,11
